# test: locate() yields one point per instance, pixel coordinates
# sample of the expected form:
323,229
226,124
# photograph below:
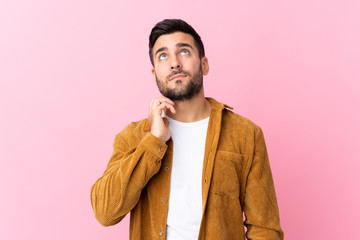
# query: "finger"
166,122
171,108
164,106
159,100
151,104
161,107
165,99
154,103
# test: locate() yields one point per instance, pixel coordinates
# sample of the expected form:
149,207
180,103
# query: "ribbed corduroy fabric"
236,179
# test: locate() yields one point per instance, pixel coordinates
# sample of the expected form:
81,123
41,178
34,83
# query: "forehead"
170,40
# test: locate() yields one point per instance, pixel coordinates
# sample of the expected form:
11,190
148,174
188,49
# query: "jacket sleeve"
132,164
260,206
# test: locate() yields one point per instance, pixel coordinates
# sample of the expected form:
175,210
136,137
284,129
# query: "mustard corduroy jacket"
236,179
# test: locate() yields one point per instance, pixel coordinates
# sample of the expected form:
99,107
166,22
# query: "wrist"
158,136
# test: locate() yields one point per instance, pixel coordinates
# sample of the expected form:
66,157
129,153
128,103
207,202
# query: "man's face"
178,69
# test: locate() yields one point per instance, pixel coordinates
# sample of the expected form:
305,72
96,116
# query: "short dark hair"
168,26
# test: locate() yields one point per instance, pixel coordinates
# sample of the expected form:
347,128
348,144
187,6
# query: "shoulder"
134,131
240,134
142,125
233,120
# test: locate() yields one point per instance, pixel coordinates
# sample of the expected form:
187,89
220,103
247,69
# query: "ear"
205,65
153,74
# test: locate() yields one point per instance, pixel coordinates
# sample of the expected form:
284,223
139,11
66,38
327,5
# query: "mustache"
177,72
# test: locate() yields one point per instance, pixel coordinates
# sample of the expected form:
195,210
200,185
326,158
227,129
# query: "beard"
180,92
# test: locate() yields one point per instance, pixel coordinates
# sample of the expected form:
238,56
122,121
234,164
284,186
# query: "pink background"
74,73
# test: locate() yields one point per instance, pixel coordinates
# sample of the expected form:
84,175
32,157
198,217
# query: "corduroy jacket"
236,179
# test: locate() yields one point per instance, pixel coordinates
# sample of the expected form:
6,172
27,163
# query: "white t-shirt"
185,200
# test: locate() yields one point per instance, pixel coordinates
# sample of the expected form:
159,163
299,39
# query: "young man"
193,167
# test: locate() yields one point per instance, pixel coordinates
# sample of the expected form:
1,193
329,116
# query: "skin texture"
177,69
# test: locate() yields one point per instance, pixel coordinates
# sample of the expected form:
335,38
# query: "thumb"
166,122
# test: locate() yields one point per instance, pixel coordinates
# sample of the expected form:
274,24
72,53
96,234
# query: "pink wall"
74,73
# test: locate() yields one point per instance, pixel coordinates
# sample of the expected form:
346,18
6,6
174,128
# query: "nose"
173,67
175,64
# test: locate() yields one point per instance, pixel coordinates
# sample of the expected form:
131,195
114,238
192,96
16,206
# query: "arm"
135,160
130,168
260,208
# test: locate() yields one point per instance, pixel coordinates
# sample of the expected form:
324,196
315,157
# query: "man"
193,167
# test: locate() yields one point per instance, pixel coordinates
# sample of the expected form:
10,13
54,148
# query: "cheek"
161,72
194,63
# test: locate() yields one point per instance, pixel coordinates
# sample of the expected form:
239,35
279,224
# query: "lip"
177,76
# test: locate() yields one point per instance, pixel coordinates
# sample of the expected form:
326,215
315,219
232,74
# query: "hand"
158,124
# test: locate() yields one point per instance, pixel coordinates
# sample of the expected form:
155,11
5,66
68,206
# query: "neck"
192,110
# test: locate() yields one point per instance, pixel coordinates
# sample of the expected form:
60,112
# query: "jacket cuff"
154,145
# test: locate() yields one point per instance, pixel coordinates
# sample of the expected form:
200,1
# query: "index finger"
165,99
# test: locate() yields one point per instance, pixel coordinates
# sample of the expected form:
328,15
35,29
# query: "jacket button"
166,169
164,200
160,149
161,233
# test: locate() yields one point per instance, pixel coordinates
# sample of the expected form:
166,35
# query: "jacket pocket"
227,173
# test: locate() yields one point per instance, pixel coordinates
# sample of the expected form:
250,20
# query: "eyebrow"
160,50
178,45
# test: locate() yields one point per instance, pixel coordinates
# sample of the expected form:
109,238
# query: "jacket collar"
216,106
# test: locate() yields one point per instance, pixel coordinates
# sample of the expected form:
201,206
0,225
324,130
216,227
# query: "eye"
162,56
184,52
